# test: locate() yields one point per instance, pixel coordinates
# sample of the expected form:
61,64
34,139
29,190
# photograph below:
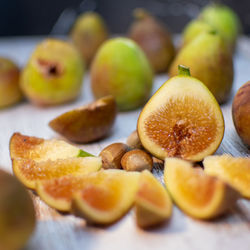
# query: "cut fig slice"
182,119
29,171
153,204
233,170
87,123
197,194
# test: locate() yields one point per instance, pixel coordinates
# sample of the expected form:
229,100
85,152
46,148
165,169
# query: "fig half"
182,119
87,123
197,194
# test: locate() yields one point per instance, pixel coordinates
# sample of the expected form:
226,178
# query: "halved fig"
233,170
29,171
182,119
197,194
153,204
38,149
58,192
106,196
87,123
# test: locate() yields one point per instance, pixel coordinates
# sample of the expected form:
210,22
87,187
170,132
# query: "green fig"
120,68
210,61
53,74
224,20
10,92
17,213
88,33
154,39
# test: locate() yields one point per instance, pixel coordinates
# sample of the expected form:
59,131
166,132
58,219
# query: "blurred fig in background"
10,92
53,74
241,113
17,214
120,68
87,123
88,33
154,39
224,20
209,60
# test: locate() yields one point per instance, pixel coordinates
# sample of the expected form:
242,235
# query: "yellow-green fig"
121,69
17,213
10,92
154,39
88,33
210,61
53,74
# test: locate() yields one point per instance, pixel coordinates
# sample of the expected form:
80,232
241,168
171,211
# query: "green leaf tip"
84,154
183,70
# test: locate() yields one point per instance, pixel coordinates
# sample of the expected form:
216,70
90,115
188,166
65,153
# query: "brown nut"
137,160
158,161
133,141
112,154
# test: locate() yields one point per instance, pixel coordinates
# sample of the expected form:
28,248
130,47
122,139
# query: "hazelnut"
133,141
112,154
137,160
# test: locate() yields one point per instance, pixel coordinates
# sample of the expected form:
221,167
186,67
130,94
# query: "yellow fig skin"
17,213
154,39
87,123
197,194
182,119
241,113
210,61
88,33
10,92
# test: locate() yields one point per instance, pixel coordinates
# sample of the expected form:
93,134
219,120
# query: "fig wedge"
87,123
233,170
38,149
29,171
196,193
182,119
153,204
106,196
58,192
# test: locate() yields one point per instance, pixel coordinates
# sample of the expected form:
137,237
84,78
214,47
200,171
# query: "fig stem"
183,70
140,13
84,154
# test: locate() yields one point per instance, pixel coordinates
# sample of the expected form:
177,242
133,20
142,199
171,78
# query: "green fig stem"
140,13
84,154
183,70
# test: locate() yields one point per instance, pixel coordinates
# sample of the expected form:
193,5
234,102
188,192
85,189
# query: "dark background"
41,17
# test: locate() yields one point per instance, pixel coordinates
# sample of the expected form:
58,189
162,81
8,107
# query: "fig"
17,213
224,20
241,113
87,123
88,33
197,194
193,29
29,171
211,63
182,119
38,149
153,204
154,39
121,69
233,170
106,196
10,92
53,74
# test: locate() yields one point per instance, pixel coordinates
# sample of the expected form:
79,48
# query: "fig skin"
224,20
154,39
88,33
10,92
211,63
87,123
17,213
121,69
241,113
53,74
